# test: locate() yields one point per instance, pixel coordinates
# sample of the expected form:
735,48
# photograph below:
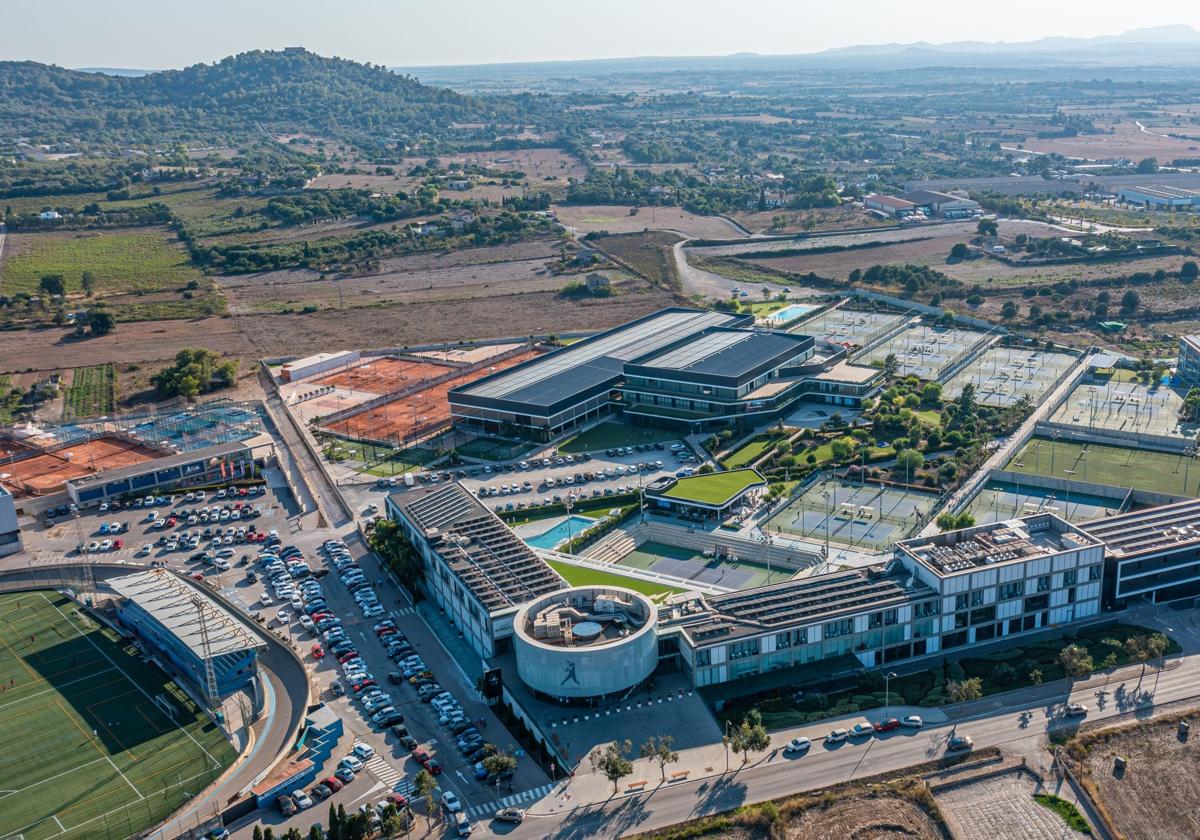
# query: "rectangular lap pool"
569,528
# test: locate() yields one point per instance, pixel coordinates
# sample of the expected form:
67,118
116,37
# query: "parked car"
887,725
797,745
287,805
836,736
959,743
912,721
861,730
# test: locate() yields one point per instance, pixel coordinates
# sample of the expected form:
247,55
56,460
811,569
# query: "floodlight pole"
887,695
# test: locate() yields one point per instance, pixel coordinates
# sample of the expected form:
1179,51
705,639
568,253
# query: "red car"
387,631
397,799
887,725
172,522
118,544
318,652
420,756
333,783
433,767
198,577
359,688
350,654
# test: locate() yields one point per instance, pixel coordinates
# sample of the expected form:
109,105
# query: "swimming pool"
790,313
561,532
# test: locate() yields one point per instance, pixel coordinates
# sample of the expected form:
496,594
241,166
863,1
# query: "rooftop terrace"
1014,540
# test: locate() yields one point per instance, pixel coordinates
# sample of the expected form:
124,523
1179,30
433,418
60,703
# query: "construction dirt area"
617,219
417,415
1157,795
861,817
49,471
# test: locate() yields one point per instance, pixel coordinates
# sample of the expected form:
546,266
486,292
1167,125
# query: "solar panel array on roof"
594,360
1154,529
498,567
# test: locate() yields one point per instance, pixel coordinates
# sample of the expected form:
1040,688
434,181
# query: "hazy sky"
173,33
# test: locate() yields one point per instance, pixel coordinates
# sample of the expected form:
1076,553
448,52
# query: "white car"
352,762
106,545
798,745
265,599
301,799
1076,710
451,802
912,721
145,549
836,736
363,750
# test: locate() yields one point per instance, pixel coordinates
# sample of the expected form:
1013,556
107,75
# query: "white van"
409,481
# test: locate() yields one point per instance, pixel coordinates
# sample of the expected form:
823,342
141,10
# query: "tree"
987,227
196,371
909,460
659,749
954,521
1189,271
842,448
359,827
497,764
316,832
257,834
269,833
1129,302
423,786
87,281
890,363
964,691
1009,310
293,833
101,322
392,821
335,825
750,735
1075,661
959,251
1035,676
1147,166
390,543
612,763
53,285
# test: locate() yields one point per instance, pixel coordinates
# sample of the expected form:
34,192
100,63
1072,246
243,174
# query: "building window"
926,609
1069,577
977,598
1094,572
1043,583
834,629
960,602
890,617
703,658
1036,602
783,641
874,621
739,650
984,615
1008,591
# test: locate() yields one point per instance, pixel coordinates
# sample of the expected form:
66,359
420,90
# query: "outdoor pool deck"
1003,375
853,514
1126,407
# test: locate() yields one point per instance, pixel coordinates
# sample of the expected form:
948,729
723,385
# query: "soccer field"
96,742
1118,466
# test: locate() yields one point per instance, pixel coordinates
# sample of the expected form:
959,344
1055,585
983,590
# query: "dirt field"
416,415
379,376
616,219
48,472
1126,141
864,818
257,336
1158,795
832,218
537,164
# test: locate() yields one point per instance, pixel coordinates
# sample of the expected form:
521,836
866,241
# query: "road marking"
529,795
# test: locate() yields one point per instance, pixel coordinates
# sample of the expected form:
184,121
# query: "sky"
169,33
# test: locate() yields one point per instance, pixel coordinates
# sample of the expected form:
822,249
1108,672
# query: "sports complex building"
683,369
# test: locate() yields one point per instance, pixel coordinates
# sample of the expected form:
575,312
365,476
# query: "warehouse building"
1152,553
940,204
1159,197
890,205
188,629
544,397
476,569
298,369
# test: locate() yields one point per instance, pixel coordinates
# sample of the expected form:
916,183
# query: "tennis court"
1001,500
1117,466
49,471
849,513
1099,403
384,374
924,351
1003,375
97,743
695,566
849,327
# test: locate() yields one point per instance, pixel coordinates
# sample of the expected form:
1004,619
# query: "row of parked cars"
345,772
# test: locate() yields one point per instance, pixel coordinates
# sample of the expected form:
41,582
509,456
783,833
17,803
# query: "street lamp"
887,694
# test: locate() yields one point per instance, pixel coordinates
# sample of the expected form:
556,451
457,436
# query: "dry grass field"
1127,141
616,219
537,164
822,218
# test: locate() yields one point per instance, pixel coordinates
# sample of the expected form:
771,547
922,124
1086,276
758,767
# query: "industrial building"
1188,366
1152,553
681,369
298,369
586,643
940,204
476,568
889,205
190,630
1159,196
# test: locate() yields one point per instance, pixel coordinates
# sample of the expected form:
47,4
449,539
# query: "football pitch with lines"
96,742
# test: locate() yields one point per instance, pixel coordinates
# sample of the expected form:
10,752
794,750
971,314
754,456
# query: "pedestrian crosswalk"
392,778
402,611
516,800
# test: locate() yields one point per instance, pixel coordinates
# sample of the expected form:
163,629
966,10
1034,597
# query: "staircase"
612,547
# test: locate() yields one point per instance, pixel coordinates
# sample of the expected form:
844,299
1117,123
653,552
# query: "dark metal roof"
497,567
1156,529
726,353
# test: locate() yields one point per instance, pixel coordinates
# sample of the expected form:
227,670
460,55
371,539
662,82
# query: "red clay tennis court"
385,374
409,418
48,472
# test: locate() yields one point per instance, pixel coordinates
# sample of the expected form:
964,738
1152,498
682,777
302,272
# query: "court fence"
1115,437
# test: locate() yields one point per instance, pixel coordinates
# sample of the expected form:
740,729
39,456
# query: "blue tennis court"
861,515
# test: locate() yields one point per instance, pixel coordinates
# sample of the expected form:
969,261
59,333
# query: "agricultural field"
98,743
1125,140
92,392
783,222
539,165
141,273
619,219
648,254
1158,762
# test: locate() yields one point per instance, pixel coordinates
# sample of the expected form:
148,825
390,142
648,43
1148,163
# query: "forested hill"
236,97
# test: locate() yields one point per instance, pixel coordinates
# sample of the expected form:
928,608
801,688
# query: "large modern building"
188,629
1152,554
938,593
10,527
476,568
1188,366
1159,196
682,369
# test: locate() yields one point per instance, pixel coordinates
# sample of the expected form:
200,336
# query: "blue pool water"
559,533
791,313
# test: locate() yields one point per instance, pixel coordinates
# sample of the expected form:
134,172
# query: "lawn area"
1117,466
581,576
91,393
750,452
132,260
608,435
492,449
928,687
714,488
384,461
89,753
